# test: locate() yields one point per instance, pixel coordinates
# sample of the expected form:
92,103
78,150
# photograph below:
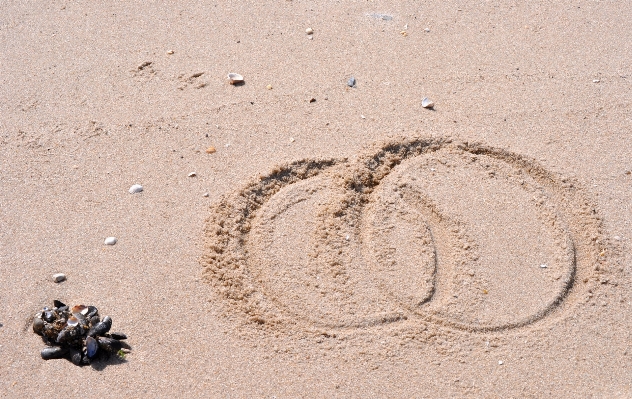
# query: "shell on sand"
235,78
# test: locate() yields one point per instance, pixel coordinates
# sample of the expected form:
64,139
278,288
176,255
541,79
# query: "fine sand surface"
352,243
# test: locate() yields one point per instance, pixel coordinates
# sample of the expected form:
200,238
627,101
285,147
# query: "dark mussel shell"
91,347
75,356
49,316
38,326
118,335
101,327
53,352
58,304
92,311
110,345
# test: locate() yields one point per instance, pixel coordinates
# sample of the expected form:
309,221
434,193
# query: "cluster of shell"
77,333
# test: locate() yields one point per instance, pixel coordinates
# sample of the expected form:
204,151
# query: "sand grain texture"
357,245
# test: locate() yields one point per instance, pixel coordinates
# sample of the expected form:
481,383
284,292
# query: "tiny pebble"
351,82
544,266
309,31
110,241
59,277
403,33
269,87
136,188
427,103
596,80
427,30
206,194
291,139
170,52
500,362
192,174
227,145
310,37
347,237
362,116
210,150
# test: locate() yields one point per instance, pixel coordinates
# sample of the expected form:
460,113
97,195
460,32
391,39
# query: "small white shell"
110,241
192,174
235,78
136,188
59,277
309,31
427,103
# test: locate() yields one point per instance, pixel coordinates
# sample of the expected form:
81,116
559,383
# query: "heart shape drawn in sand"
458,235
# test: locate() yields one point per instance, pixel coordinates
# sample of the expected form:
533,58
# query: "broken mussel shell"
77,333
235,78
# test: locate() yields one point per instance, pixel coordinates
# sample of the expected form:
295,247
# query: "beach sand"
341,241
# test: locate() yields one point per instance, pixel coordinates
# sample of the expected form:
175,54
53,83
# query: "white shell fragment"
309,31
192,174
544,266
59,277
427,103
110,241
235,78
136,188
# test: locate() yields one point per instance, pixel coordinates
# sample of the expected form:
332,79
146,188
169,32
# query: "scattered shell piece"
59,277
110,241
384,17
234,78
309,31
427,103
269,87
310,37
544,266
136,188
596,81
170,52
500,362
347,237
227,145
362,116
351,82
291,139
427,30
206,194
211,150
192,174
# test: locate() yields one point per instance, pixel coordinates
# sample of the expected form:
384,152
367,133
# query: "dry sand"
357,245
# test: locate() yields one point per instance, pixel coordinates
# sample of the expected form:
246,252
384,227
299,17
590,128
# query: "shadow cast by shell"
428,231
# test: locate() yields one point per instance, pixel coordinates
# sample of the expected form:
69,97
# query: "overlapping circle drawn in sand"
459,235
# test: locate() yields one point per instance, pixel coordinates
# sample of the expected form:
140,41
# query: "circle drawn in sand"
421,230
